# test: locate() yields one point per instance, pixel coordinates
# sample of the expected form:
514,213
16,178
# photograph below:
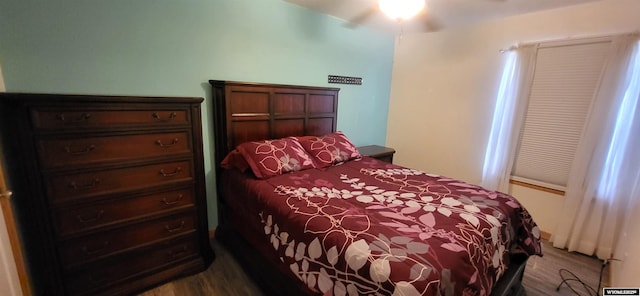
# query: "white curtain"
508,117
606,169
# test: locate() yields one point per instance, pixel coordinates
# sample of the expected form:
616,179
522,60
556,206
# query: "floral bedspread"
370,228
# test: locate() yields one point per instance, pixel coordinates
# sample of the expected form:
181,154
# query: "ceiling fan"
400,11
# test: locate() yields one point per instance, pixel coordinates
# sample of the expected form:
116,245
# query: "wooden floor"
225,277
541,276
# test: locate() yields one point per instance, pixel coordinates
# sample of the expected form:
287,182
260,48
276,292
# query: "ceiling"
439,14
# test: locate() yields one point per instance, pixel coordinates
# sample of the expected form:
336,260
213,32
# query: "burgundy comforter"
369,227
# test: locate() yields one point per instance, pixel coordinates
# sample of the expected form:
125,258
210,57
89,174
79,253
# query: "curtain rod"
568,38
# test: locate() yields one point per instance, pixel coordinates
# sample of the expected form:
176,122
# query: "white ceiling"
439,14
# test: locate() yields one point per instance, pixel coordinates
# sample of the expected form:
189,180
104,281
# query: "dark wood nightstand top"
379,152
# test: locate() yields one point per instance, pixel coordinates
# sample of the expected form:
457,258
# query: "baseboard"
545,235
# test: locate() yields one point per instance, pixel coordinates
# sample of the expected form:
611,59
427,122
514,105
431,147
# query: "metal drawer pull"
174,229
83,117
159,143
6,194
173,202
157,117
92,217
79,152
177,253
175,172
77,186
87,251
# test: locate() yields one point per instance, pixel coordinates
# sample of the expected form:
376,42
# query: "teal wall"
172,48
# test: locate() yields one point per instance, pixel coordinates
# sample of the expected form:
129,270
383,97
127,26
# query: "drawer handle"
173,202
175,172
82,117
91,217
77,186
174,229
80,152
170,118
97,250
6,194
177,253
159,143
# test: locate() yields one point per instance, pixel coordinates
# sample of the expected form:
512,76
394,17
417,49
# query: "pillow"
275,157
330,149
234,160
305,138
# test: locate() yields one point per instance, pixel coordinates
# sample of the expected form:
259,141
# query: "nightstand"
378,152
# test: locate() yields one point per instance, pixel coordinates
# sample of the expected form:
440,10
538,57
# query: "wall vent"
345,79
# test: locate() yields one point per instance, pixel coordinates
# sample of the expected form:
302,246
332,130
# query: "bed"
313,221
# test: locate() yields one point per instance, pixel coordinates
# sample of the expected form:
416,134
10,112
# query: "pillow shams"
234,160
330,149
275,157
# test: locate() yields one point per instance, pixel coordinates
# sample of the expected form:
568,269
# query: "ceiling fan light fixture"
401,9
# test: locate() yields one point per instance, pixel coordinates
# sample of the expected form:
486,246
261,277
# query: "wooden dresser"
109,191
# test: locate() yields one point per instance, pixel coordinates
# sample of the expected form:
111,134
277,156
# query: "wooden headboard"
256,111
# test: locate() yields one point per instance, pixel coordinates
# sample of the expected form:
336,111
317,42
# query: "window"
565,79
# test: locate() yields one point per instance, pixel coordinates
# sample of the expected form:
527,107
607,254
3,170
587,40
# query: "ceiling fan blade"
362,17
431,23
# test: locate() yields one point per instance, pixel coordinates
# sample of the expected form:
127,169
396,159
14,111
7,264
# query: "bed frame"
254,111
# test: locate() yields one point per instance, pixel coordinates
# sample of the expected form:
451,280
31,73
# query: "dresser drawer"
78,151
52,118
87,248
73,220
84,185
85,281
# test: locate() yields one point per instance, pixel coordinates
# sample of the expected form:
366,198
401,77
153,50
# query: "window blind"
565,79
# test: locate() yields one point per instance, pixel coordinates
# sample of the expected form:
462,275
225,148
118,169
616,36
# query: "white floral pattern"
389,230
330,149
270,158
